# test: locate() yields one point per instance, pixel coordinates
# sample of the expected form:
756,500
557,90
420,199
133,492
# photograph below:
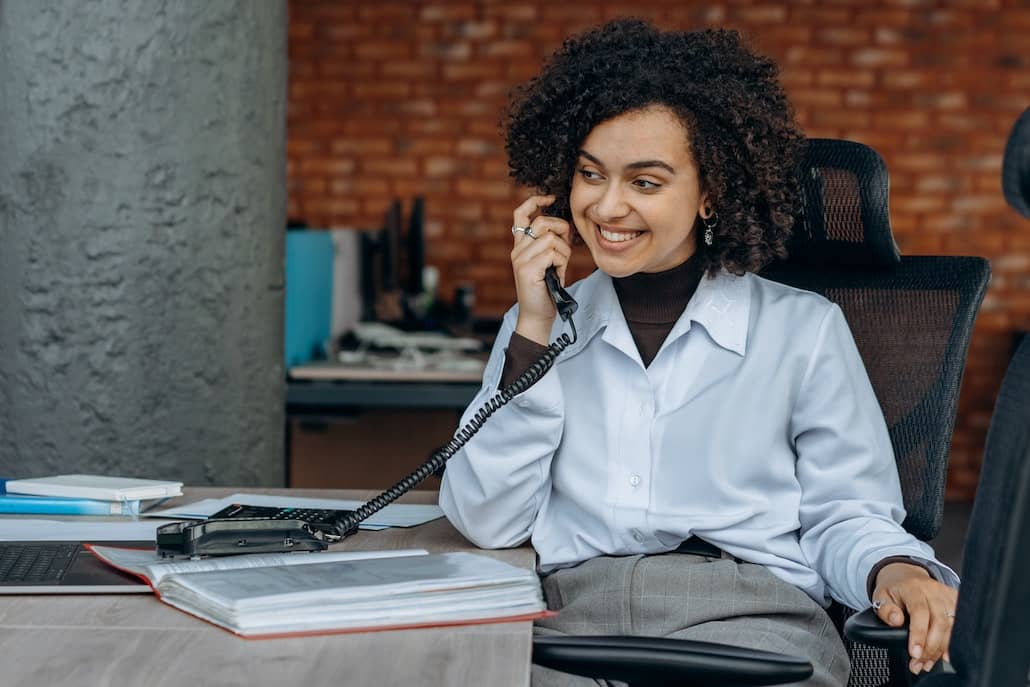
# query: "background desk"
129,640
342,421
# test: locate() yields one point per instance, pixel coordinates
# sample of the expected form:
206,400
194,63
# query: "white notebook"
95,487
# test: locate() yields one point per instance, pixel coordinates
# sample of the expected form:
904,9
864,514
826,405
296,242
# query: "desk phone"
240,528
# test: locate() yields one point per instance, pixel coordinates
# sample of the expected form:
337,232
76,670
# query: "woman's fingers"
541,227
540,241
930,609
904,589
530,208
536,255
918,625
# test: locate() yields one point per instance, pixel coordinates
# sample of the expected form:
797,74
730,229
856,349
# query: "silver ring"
951,615
877,604
528,231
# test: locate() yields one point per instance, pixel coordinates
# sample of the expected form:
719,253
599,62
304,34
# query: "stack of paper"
268,595
82,494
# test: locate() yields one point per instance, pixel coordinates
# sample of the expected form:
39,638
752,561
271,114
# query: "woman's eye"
589,175
646,184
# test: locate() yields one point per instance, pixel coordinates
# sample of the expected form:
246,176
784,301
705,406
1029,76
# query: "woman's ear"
704,205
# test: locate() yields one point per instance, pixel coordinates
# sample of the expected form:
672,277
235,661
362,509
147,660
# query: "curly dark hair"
741,127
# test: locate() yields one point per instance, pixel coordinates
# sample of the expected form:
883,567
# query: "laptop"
64,567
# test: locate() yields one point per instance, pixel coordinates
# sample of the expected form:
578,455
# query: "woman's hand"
530,258
904,589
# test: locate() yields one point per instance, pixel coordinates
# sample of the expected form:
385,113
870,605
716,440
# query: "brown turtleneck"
651,304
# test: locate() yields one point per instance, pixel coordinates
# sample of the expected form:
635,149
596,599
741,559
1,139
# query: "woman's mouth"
617,237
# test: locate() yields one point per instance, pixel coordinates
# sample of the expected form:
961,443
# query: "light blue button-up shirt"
755,427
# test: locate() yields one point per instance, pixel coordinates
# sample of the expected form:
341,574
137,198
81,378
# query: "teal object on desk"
54,505
309,293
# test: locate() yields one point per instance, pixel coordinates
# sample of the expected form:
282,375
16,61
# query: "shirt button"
634,481
639,537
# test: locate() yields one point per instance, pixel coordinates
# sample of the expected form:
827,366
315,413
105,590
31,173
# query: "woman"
708,460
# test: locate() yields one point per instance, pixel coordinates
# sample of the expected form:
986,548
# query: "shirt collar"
721,304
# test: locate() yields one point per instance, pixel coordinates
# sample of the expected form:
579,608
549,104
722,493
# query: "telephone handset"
566,306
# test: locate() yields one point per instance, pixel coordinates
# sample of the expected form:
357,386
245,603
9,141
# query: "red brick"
938,183
817,57
373,146
511,11
438,166
901,119
473,70
844,36
411,69
382,89
820,15
848,78
477,31
817,97
477,146
446,11
388,12
325,166
849,118
510,49
446,51
382,50
792,77
885,17
484,189
880,57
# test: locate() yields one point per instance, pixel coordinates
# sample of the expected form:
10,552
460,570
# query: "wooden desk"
129,640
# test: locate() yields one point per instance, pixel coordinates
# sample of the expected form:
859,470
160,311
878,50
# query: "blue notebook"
54,505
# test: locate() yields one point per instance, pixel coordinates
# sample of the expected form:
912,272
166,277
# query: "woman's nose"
611,205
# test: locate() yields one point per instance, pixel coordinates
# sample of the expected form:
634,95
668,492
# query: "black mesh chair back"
991,640
911,316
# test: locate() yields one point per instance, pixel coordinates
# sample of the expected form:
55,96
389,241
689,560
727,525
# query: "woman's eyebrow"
642,164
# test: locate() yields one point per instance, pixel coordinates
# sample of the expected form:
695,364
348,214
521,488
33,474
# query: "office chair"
911,318
990,643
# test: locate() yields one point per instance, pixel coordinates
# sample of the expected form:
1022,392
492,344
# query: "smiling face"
636,193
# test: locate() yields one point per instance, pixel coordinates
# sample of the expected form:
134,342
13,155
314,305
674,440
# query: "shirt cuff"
520,354
931,569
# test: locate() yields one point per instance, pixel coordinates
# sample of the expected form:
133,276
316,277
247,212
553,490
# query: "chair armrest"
866,627
659,661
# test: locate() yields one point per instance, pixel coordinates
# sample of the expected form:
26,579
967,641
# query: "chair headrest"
1015,169
844,218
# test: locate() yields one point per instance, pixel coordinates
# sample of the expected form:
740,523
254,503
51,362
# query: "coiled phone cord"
525,380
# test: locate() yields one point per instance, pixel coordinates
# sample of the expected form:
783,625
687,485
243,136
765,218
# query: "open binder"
281,595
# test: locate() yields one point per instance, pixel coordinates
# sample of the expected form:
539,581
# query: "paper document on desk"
152,567
394,515
33,529
275,595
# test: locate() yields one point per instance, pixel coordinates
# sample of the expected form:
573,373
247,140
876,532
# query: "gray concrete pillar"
142,214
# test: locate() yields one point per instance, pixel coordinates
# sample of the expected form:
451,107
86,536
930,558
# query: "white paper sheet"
31,529
394,515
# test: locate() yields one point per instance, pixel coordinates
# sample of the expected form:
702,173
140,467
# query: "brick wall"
393,98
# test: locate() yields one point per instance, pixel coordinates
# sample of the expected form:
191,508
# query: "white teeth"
619,236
